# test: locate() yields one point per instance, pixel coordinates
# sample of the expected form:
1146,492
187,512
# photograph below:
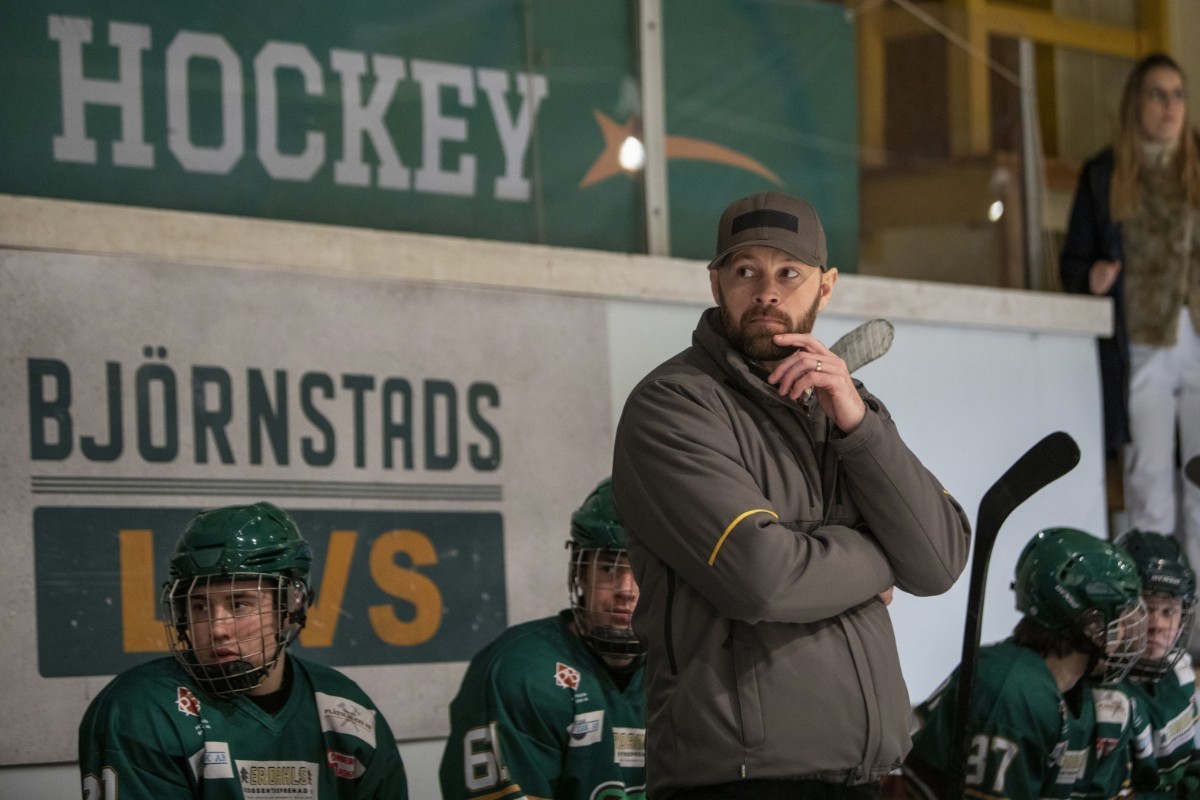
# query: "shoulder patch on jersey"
186,702
1184,670
1112,706
566,676
587,728
346,717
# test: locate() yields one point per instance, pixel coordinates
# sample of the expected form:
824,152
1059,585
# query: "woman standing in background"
1134,236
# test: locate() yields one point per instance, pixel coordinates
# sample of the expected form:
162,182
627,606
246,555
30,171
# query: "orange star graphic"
608,162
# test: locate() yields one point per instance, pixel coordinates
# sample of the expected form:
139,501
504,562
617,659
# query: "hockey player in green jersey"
554,708
1033,722
234,716
1162,683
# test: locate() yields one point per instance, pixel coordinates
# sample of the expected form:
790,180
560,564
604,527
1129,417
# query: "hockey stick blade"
1044,463
858,348
1192,470
864,344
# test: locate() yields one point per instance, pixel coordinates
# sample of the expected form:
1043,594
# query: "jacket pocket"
745,682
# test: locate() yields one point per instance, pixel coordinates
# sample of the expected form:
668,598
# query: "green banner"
467,119
495,119
760,95
390,587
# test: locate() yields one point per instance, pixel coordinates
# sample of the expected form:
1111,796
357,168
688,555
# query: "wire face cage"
229,631
603,595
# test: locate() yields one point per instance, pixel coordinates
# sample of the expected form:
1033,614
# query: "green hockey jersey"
153,734
1169,707
538,715
1026,740
1120,726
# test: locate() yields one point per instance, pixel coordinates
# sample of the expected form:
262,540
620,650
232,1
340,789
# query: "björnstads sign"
431,441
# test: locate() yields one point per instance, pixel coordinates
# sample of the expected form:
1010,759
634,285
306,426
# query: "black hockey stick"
1192,470
1045,462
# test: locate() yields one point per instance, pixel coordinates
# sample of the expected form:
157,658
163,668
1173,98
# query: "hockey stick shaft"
1045,462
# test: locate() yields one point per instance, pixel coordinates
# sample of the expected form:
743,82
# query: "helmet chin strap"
606,641
1087,644
230,678
1095,656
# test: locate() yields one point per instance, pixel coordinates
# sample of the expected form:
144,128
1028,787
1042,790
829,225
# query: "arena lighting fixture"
995,211
632,155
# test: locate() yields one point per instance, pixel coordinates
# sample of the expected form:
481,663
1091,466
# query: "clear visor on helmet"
1123,640
228,631
1168,631
603,595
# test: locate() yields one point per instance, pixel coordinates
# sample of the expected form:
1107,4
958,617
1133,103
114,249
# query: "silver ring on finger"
818,365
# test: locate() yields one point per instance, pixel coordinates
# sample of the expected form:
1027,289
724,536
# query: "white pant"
1164,392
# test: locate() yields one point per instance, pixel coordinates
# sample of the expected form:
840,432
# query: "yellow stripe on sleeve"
733,525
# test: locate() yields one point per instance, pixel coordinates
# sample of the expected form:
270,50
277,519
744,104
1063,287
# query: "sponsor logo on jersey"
212,762
280,780
344,766
586,729
186,702
566,676
1105,745
339,715
629,747
1175,733
1072,766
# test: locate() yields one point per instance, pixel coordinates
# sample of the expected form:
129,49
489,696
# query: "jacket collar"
747,375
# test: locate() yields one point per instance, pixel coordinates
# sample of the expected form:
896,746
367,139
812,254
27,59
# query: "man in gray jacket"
762,530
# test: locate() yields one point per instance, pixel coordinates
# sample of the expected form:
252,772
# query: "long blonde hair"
1125,199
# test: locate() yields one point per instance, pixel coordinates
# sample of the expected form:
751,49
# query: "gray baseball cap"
772,219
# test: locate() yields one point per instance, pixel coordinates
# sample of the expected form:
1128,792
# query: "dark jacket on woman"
1092,235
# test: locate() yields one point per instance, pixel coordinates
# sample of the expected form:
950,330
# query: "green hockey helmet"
1073,583
1160,563
260,539
1063,572
594,525
237,595
600,582
1166,577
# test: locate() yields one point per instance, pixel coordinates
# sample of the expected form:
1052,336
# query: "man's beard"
760,344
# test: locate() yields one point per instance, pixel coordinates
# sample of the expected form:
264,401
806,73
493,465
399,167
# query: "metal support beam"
1032,168
654,128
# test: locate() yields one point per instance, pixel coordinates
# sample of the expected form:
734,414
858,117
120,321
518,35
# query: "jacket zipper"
787,438
667,619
